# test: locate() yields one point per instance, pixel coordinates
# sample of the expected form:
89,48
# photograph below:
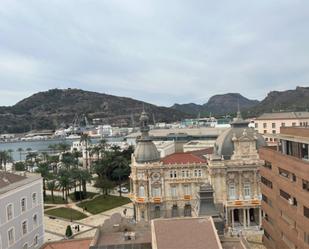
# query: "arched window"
156,191
23,204
141,191
232,192
187,210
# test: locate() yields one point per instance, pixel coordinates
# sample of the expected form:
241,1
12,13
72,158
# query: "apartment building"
285,190
270,123
21,211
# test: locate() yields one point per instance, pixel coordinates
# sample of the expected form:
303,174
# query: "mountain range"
58,107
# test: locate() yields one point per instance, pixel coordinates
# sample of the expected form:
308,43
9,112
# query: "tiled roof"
68,244
183,158
184,233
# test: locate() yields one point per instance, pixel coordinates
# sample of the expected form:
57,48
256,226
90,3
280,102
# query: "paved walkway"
55,227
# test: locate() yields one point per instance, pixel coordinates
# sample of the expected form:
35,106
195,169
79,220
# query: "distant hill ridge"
275,101
48,110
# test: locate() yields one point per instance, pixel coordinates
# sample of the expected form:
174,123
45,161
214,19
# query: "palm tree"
85,177
51,185
4,158
121,170
43,170
20,150
84,139
64,182
10,151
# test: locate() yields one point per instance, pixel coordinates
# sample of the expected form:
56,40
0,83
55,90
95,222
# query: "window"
274,131
264,125
293,124
256,125
187,189
265,131
34,199
288,242
232,194
273,125
306,212
266,200
188,173
200,173
23,204
294,177
35,240
284,173
267,235
9,211
269,219
247,190
306,237
183,173
24,227
11,238
282,124
173,191
35,220
141,191
156,191
173,174
157,212
285,195
305,185
267,165
266,182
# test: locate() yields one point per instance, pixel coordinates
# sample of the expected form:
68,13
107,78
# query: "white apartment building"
21,211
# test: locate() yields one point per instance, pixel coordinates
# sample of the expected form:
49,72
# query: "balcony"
240,203
187,197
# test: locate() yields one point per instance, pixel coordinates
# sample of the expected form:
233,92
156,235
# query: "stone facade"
169,187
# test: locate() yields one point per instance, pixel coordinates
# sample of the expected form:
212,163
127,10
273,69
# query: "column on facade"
232,218
260,216
248,216
240,185
244,216
226,216
255,184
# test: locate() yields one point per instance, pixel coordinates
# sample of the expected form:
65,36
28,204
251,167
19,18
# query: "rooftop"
283,115
10,181
185,233
68,244
203,131
190,157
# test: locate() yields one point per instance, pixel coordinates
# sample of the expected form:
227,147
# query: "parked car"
123,190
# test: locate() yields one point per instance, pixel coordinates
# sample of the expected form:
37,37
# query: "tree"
84,139
51,185
4,158
20,150
20,166
43,170
68,232
64,182
104,184
63,147
121,170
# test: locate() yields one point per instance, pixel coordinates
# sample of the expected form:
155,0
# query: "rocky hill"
50,109
218,105
278,101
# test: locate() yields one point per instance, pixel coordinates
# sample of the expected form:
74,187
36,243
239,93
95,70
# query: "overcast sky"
160,51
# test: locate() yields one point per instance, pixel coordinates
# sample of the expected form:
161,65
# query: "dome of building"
145,151
224,146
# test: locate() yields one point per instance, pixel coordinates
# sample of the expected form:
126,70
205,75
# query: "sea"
42,145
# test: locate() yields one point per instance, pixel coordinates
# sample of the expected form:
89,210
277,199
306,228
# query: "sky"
159,51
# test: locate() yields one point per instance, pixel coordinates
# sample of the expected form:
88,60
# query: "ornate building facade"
234,172
167,187
170,187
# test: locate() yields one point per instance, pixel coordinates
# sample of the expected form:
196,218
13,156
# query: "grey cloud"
158,51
